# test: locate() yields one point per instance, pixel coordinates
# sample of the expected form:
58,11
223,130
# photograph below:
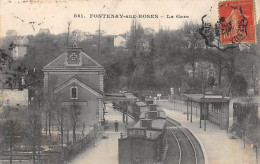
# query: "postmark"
237,22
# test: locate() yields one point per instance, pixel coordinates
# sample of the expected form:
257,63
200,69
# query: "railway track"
188,148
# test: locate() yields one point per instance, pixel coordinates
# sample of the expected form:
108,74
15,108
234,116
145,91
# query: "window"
74,93
217,108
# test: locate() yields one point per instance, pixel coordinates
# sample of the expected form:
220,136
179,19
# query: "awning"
205,98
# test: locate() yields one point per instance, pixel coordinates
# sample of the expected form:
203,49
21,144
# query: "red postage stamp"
237,21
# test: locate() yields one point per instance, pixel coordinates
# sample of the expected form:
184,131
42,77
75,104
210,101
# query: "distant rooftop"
140,103
11,33
129,96
156,124
44,31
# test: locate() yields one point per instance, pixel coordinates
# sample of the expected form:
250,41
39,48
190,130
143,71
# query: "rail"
193,147
178,145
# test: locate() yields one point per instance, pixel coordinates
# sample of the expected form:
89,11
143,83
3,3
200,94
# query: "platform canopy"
206,98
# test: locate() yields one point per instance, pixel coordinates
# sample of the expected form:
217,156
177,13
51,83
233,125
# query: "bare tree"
74,116
62,116
12,134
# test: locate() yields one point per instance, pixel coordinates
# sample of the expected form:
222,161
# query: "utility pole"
99,38
126,107
159,25
256,143
201,108
34,119
204,110
11,142
187,109
256,153
68,35
191,111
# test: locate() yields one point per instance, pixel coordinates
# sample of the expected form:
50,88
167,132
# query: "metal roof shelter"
206,98
213,107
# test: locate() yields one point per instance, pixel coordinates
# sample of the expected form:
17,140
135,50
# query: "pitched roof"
87,63
140,103
82,84
155,124
129,96
11,32
44,30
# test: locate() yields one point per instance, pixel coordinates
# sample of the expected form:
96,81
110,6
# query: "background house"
10,33
44,31
20,47
120,41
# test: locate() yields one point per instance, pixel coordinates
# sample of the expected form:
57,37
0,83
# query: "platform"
106,149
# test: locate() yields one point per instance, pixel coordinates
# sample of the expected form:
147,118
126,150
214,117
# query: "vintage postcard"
129,81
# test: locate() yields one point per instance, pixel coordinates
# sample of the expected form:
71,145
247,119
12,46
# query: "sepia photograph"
129,81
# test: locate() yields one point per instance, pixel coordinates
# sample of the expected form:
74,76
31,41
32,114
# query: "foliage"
245,115
12,132
239,85
211,81
168,54
43,49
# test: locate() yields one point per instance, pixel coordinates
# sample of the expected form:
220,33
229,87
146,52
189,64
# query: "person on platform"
116,126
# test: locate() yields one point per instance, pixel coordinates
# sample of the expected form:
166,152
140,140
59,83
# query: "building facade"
77,80
20,47
11,33
44,31
120,41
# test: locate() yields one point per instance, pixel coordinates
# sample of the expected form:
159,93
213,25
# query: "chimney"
147,123
152,107
152,115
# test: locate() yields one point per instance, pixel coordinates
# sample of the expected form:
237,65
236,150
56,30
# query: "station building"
77,79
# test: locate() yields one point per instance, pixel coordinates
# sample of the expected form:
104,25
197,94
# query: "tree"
193,47
33,132
246,114
75,111
129,71
211,81
5,63
12,134
62,115
149,70
136,33
43,49
218,59
36,107
239,85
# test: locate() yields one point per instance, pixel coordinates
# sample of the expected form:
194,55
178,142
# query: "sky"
55,14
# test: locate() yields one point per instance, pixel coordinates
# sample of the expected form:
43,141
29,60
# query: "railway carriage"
144,143
134,108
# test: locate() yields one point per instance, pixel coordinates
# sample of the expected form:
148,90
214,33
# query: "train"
145,142
134,108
